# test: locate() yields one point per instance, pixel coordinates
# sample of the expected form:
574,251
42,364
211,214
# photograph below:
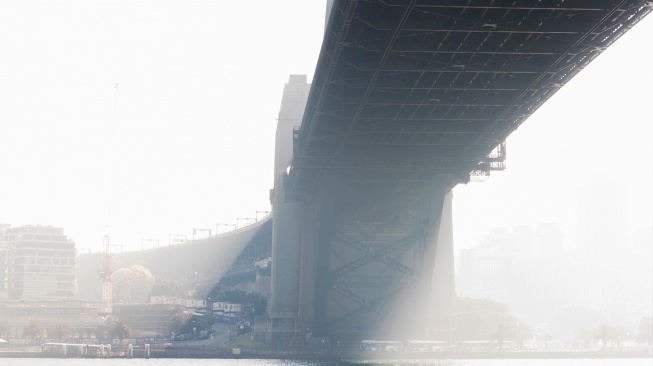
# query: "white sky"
200,85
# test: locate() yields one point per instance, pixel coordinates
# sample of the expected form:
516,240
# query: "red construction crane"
105,275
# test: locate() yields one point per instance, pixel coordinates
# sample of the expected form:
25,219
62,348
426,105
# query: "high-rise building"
38,262
520,267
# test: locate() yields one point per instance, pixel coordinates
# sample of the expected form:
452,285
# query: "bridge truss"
410,98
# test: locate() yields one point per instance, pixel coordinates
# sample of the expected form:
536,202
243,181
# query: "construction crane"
105,275
105,272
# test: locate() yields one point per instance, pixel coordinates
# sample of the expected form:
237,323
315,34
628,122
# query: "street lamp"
246,219
177,238
200,230
227,226
262,212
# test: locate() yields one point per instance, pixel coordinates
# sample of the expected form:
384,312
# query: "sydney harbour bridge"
409,99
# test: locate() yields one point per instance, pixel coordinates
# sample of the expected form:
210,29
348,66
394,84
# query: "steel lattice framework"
438,84
410,98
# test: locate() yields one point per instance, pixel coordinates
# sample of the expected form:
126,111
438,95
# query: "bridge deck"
436,85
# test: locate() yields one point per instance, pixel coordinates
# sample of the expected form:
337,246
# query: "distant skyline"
194,115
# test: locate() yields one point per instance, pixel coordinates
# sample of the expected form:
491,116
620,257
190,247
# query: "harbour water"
280,362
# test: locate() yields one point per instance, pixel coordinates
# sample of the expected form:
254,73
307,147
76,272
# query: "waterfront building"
81,317
147,320
36,262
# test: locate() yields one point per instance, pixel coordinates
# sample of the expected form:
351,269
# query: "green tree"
34,329
205,321
260,305
60,331
5,329
179,322
132,284
120,330
186,322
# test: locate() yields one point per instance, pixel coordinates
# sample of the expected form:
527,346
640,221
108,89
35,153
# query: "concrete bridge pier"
443,291
437,296
286,268
283,305
383,258
360,261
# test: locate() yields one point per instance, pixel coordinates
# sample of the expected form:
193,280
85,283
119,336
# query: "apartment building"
36,262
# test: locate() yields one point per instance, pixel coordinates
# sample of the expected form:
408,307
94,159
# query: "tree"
179,322
610,334
132,284
523,333
164,287
205,321
260,305
584,337
545,337
619,336
120,330
186,322
482,319
502,330
605,333
5,329
645,330
34,329
60,331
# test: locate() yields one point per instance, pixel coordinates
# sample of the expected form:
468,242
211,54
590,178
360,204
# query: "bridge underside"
410,98
437,85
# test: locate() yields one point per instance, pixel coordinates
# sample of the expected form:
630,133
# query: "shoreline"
409,355
245,354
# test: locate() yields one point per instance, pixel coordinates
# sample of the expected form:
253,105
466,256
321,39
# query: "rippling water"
242,362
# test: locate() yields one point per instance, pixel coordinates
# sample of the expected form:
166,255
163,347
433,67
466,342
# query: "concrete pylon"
434,269
286,227
443,291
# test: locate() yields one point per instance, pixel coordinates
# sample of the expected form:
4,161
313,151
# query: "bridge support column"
381,253
443,294
427,269
307,274
286,269
324,206
435,298
286,227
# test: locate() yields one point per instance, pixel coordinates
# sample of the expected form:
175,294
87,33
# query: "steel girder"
442,81
371,262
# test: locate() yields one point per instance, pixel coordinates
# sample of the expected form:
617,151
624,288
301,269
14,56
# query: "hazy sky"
199,88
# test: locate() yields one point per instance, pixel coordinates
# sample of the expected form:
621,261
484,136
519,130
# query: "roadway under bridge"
200,263
409,99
